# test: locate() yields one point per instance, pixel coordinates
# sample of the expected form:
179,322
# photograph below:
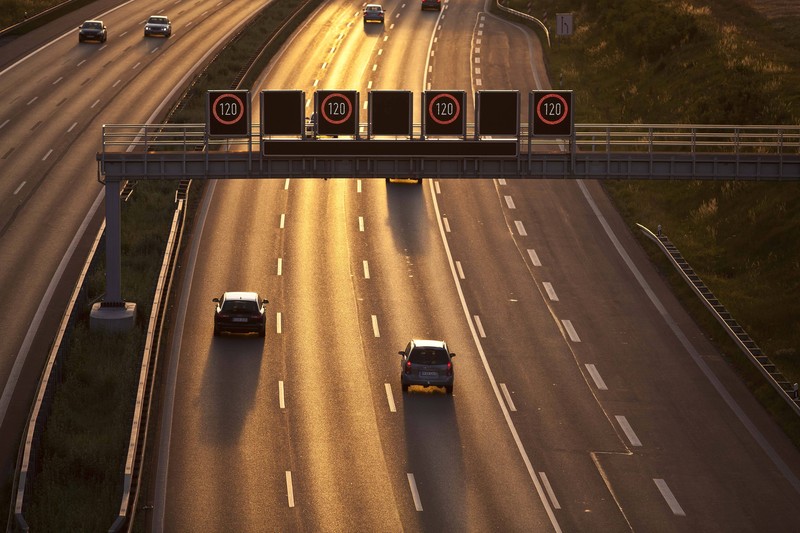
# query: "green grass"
710,62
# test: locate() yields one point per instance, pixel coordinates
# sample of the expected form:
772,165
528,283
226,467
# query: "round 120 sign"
552,113
228,113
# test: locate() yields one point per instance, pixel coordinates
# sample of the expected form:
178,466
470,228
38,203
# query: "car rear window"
240,306
428,356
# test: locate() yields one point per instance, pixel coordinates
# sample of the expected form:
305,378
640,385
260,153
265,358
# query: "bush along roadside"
78,484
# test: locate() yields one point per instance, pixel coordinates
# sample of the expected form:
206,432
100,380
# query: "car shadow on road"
229,386
407,218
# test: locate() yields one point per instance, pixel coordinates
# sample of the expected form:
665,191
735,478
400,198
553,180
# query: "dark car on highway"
431,4
427,363
92,30
373,13
240,312
158,25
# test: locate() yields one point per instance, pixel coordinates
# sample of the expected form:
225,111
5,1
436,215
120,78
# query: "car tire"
262,332
449,389
404,386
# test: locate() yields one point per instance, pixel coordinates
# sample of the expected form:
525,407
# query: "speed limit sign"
336,112
444,113
551,113
228,113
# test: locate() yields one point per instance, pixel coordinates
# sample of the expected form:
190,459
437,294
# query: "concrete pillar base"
114,319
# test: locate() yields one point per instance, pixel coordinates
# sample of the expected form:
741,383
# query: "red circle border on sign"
455,115
349,109
218,118
539,109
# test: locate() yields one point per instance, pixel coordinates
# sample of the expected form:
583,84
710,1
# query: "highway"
57,93
585,398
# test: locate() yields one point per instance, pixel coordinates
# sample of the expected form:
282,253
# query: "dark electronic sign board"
283,113
228,113
444,113
497,113
390,113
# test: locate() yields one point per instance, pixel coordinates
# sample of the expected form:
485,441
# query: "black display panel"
228,113
444,113
551,113
336,112
390,113
497,113
283,112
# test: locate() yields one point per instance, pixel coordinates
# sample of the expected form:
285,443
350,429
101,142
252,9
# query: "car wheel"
449,389
262,332
405,387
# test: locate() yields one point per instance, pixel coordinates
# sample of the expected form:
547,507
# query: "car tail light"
408,367
449,368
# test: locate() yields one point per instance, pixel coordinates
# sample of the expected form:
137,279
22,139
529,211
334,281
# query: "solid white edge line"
549,490
390,398
628,430
687,345
281,397
674,506
375,330
414,492
289,488
509,401
598,379
498,395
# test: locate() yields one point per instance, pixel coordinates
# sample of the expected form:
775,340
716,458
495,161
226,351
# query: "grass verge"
709,62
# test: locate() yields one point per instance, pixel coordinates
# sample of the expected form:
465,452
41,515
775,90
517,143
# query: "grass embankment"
78,486
21,12
701,62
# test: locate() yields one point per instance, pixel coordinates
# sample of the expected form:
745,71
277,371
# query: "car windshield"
428,356
240,306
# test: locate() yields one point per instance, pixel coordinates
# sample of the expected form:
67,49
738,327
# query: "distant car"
158,25
431,4
240,312
418,181
92,30
427,363
373,13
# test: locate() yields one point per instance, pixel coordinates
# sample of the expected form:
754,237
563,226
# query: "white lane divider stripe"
626,427
598,380
501,181
446,224
286,185
280,266
460,270
390,398
549,490
551,293
366,269
671,500
375,329
281,398
571,331
510,202
358,185
479,325
509,401
438,189
360,223
414,492
289,488
21,185
278,324
520,228
534,258
283,220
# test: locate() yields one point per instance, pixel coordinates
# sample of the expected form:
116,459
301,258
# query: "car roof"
92,21
427,343
373,6
240,295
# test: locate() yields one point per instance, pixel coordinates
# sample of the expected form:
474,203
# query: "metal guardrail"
141,415
735,331
525,16
597,138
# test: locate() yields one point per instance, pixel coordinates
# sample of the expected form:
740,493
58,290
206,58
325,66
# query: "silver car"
158,25
428,363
